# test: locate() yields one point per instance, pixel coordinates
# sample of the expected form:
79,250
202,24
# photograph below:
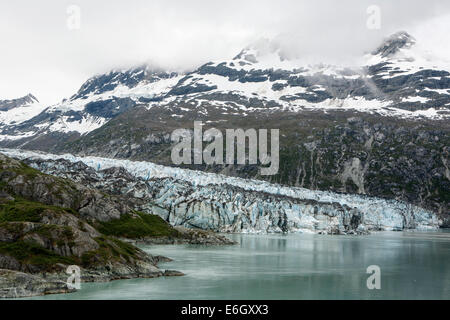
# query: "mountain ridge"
380,129
6,105
387,85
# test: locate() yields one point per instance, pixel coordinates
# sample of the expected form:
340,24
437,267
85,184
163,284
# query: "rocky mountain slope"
377,128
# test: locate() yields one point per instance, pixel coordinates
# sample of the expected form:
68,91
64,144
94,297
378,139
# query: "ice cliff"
228,204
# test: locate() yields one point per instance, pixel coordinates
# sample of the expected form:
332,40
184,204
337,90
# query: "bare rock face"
173,273
15,284
116,271
203,237
10,263
63,234
72,242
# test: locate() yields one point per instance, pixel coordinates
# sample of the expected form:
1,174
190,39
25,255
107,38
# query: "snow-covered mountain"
100,99
6,105
396,79
103,97
13,113
379,127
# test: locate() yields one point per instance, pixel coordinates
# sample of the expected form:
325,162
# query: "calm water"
413,266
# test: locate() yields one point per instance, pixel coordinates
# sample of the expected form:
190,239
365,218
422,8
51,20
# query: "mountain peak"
395,42
257,49
130,78
29,99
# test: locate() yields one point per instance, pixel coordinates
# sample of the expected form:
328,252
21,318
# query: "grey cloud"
40,55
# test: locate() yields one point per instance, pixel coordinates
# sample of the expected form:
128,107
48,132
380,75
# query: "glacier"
221,203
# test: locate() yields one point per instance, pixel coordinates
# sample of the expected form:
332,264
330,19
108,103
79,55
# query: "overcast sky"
40,54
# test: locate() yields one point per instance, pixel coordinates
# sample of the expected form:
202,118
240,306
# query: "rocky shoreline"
17,284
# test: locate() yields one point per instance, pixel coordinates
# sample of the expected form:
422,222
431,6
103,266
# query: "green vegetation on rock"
24,210
139,225
28,252
110,250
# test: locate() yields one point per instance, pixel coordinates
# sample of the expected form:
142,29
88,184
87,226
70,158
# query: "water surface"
414,265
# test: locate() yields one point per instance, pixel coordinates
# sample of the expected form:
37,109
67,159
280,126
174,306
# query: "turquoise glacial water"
414,265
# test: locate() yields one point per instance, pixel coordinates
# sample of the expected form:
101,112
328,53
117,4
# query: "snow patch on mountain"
142,90
5,137
406,56
19,110
82,126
